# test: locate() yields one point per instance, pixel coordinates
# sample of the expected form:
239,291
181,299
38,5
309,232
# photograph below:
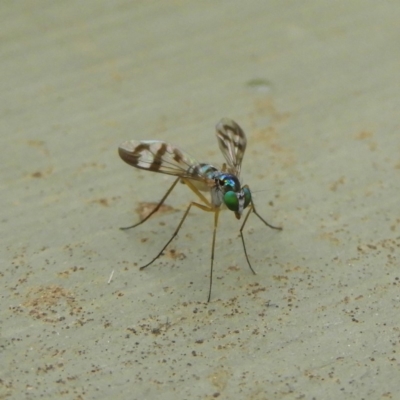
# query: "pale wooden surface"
316,87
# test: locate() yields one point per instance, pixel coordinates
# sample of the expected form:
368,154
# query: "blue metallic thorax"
228,182
223,183
219,184
222,179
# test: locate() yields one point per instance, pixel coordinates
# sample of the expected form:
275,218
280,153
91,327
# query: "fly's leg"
252,208
155,209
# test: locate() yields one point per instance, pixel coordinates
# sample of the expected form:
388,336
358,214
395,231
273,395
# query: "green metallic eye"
247,196
231,201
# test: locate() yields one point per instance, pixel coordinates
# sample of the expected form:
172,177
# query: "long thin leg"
244,245
156,208
197,192
207,207
216,214
252,208
263,220
201,206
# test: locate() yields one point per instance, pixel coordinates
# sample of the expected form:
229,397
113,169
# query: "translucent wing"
232,143
159,156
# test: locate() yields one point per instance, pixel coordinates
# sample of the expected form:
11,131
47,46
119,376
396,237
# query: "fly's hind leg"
201,206
205,207
155,209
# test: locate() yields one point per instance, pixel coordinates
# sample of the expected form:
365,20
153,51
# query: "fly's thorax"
228,191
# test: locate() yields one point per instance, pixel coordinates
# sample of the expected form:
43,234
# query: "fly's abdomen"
206,170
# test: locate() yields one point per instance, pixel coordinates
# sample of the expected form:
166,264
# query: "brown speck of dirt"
145,208
41,174
330,236
90,166
280,278
50,303
67,272
363,135
103,201
266,106
175,255
156,331
366,136
337,183
40,145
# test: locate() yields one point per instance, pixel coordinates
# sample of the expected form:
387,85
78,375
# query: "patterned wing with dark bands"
159,156
232,143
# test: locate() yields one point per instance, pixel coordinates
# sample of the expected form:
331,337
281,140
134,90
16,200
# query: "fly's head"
235,197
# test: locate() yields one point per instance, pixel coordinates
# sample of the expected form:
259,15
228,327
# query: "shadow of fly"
223,186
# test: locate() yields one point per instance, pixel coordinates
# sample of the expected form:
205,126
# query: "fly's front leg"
216,215
252,208
243,242
279,228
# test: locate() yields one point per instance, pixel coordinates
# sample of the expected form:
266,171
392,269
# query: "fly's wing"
232,143
159,156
